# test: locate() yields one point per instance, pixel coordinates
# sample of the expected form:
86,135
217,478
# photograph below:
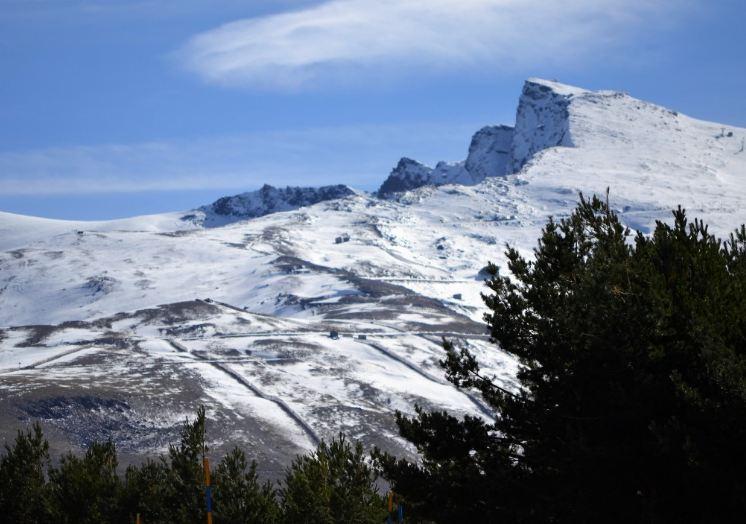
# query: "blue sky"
113,108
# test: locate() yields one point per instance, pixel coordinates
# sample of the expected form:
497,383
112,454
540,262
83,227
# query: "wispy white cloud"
358,155
367,40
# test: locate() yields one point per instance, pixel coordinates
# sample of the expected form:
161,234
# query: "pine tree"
87,490
148,491
186,499
171,489
334,484
239,497
633,384
23,487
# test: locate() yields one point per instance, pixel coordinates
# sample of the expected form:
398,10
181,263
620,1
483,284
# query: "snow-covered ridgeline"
542,121
264,201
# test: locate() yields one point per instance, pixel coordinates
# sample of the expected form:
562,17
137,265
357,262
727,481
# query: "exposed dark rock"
264,201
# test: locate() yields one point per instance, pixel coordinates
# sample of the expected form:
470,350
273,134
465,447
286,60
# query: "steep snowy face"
542,120
489,152
266,200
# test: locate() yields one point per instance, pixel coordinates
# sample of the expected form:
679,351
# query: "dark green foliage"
171,490
239,497
633,399
148,491
334,484
186,498
87,490
23,490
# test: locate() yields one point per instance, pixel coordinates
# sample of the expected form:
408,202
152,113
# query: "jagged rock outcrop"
542,120
268,199
408,174
489,152
488,156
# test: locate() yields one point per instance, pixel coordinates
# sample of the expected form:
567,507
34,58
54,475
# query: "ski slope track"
295,313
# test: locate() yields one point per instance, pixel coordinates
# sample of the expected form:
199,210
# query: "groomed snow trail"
390,354
255,390
47,360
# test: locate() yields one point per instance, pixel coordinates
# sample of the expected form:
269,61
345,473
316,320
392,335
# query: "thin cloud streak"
360,156
366,40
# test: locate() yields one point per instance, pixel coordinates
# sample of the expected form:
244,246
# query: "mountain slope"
649,157
99,316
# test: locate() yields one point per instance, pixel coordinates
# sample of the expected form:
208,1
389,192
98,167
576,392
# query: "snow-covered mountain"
605,132
651,158
122,327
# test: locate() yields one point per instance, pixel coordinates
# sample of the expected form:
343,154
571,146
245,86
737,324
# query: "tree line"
631,407
334,483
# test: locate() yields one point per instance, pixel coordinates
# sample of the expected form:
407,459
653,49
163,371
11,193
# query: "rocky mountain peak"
542,120
488,156
408,174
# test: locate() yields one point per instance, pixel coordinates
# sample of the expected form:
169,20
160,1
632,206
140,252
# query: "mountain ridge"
265,200
542,121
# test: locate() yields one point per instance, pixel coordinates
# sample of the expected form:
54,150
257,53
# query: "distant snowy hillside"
129,324
262,202
18,231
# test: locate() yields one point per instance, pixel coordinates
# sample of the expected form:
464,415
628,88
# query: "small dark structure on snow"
334,335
